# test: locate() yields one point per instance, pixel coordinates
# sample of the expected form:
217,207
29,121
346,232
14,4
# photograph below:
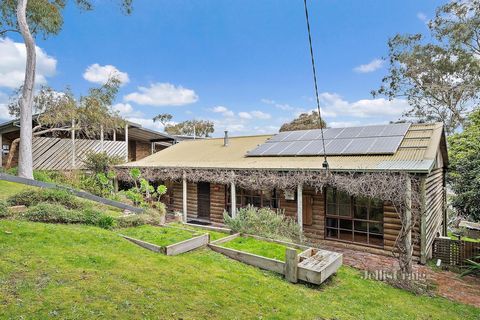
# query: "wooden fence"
63,154
455,252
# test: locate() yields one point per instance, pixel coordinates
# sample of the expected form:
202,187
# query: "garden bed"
167,240
295,261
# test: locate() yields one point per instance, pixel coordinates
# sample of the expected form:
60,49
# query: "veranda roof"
416,153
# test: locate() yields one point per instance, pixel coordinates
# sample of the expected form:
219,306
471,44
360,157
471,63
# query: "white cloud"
13,60
126,110
147,123
422,17
162,94
281,106
101,74
260,114
372,66
245,115
223,110
4,112
333,105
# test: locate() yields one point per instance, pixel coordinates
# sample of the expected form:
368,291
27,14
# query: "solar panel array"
381,139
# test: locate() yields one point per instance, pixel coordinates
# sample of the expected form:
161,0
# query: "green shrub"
3,209
52,213
101,162
57,213
264,222
58,196
134,220
106,222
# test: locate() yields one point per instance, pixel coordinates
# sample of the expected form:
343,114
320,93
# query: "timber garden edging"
312,265
175,248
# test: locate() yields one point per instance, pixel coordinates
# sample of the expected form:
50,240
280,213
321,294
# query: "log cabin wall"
217,202
191,198
434,204
315,233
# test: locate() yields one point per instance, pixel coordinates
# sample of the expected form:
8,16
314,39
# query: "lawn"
214,235
81,272
454,237
259,247
8,189
161,236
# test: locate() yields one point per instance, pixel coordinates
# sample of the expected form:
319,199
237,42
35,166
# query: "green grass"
8,189
453,237
81,272
214,235
161,236
262,248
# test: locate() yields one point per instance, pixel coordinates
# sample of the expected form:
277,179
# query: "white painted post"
408,221
114,135
73,144
153,148
102,146
300,206
126,142
184,197
1,151
233,200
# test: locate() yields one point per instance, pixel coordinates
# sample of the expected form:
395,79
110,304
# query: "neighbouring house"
65,150
285,171
472,229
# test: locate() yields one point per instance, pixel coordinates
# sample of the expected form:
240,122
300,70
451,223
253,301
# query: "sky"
243,64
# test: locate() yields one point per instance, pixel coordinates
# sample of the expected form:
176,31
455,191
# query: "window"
353,219
5,148
256,198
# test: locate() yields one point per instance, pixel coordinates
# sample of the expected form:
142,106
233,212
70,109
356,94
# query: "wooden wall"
314,233
434,206
217,202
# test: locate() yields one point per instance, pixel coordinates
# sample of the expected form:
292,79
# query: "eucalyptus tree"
304,121
31,18
439,75
197,128
163,118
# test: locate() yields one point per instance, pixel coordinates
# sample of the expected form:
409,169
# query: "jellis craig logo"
385,275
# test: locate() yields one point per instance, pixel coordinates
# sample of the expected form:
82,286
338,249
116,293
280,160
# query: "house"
65,150
472,229
207,177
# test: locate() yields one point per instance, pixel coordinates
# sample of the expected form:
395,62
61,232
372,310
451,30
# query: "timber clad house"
66,150
198,173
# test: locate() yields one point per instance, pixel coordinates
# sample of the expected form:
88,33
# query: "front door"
203,200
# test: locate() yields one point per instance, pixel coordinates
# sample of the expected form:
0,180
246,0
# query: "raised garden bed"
297,262
167,240
262,248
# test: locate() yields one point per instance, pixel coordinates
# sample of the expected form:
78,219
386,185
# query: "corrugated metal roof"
416,153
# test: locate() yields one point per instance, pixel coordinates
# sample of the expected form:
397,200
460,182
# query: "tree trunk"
11,153
25,162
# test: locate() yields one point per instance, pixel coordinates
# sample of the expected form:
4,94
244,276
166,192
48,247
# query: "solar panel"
295,147
360,146
380,139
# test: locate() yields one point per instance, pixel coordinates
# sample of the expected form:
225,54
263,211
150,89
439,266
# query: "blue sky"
242,63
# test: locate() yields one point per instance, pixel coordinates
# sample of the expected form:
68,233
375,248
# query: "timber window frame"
257,198
353,219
